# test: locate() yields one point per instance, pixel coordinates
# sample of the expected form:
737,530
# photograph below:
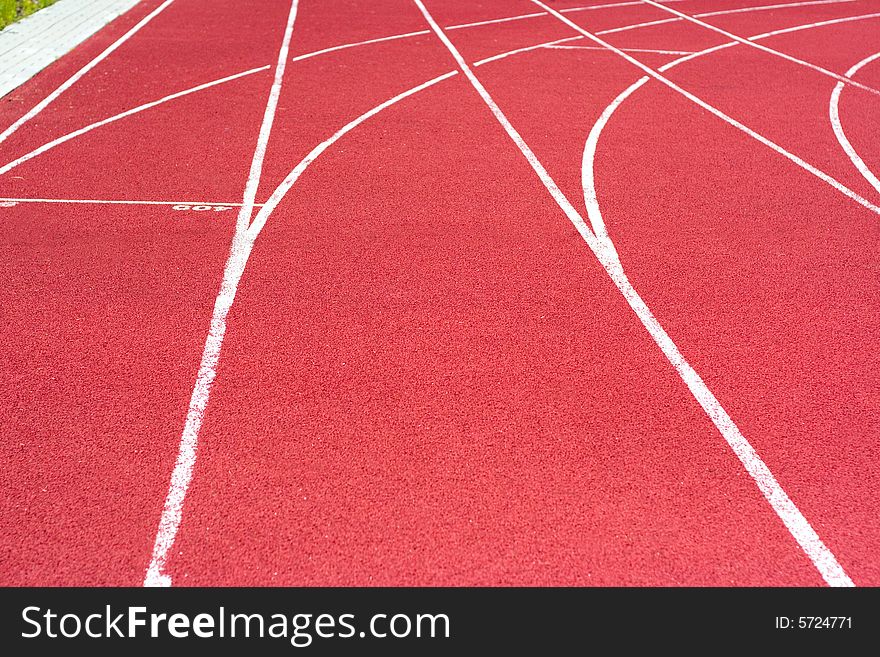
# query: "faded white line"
80,73
172,511
116,117
762,47
834,115
798,526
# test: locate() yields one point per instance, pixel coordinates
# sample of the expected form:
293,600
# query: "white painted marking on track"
797,525
232,273
355,44
293,176
785,5
590,147
169,523
89,201
843,189
509,53
634,26
834,115
600,48
759,46
116,117
81,72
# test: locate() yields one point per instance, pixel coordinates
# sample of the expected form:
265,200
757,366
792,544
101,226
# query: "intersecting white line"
834,115
240,251
80,73
788,512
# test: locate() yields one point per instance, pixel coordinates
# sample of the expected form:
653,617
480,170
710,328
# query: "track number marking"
200,208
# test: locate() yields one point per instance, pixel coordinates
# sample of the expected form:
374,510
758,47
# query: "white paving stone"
30,45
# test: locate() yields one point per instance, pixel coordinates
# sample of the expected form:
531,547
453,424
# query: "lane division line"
797,525
39,107
181,476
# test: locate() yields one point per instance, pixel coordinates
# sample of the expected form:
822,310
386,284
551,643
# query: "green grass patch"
12,10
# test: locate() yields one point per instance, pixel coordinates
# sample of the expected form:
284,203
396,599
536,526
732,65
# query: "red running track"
427,375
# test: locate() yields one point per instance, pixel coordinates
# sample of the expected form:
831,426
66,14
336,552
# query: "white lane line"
172,511
80,73
724,12
810,26
834,115
590,147
538,14
537,46
771,7
634,26
762,47
90,201
116,117
797,525
288,182
843,189
355,44
600,48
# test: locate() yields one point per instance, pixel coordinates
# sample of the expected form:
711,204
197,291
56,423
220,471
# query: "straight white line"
780,502
724,12
90,201
80,73
834,115
293,176
587,180
140,108
638,26
771,7
344,46
634,26
798,526
546,44
172,511
600,48
797,28
759,46
843,189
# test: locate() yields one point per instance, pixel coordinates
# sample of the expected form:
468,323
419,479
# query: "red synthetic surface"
427,377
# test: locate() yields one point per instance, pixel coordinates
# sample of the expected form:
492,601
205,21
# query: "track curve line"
834,115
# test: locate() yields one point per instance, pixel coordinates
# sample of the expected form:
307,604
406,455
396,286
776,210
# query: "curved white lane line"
81,72
282,189
181,476
843,189
587,177
759,46
355,44
600,48
462,26
116,117
792,518
569,10
243,242
834,115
